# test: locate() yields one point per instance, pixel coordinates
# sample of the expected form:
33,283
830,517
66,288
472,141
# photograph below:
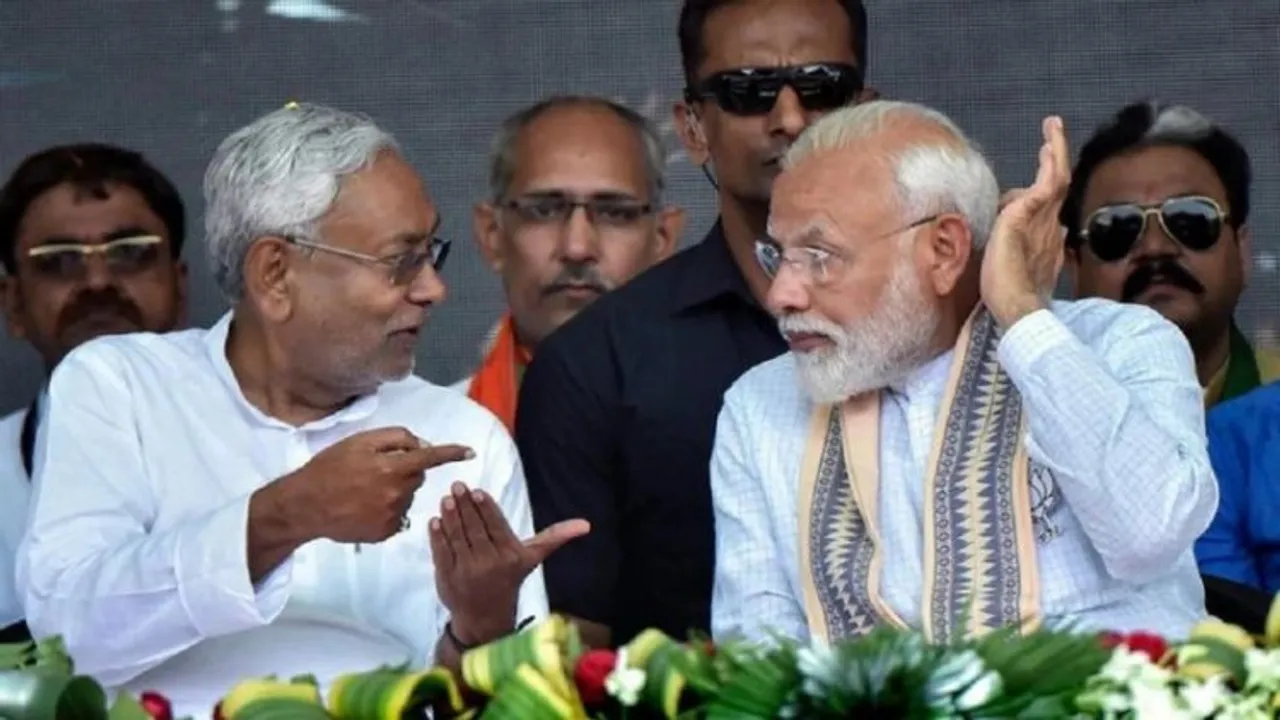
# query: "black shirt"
615,422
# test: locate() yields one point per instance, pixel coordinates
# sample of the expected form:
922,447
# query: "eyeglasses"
70,261
403,267
604,210
815,263
753,91
1194,222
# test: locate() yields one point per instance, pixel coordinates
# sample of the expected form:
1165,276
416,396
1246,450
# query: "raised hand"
1024,255
360,489
480,564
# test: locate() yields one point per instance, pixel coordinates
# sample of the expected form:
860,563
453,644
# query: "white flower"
819,667
625,683
1129,668
1262,668
1157,702
1245,707
1203,699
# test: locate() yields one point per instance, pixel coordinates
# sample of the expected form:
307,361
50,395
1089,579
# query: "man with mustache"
945,448
1157,214
617,409
574,210
91,241
279,494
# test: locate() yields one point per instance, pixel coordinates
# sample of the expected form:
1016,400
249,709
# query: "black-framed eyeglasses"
603,209
70,261
753,91
1193,221
402,267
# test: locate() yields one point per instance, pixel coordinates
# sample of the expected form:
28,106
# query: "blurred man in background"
90,238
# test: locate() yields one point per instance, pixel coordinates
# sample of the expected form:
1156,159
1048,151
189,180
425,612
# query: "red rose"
156,705
1149,644
590,673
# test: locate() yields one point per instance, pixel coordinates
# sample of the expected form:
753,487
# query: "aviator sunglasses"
753,91
1194,222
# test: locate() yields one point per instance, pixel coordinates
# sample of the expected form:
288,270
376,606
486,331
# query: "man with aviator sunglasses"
617,411
1157,215
90,237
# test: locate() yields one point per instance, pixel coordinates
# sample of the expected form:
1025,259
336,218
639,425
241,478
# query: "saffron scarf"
980,563
496,384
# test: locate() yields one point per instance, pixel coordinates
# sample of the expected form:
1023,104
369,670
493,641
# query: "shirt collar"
709,273
216,345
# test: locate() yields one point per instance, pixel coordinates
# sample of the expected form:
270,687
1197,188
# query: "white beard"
876,351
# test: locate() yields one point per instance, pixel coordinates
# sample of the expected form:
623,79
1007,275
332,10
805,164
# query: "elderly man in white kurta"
258,498
945,448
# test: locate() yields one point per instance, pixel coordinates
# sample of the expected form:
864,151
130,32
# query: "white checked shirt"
136,550
1121,479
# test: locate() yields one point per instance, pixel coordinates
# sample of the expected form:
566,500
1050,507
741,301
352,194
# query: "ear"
269,277
670,226
1072,267
1245,247
950,245
692,135
11,292
180,291
487,233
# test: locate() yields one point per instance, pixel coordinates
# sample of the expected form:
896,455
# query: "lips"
807,342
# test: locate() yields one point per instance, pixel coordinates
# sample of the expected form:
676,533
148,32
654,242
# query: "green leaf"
49,694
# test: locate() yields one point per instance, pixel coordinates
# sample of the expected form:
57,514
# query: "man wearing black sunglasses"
617,411
90,239
1157,215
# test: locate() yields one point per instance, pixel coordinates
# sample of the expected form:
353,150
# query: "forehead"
1150,175
72,212
845,192
385,200
580,149
765,33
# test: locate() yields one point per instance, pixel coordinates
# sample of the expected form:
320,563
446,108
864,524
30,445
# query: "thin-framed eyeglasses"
820,265
402,267
604,210
70,261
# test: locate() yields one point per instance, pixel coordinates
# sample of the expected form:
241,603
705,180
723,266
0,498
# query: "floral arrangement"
544,673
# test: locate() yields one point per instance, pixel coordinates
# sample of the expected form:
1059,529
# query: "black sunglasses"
753,91
1194,222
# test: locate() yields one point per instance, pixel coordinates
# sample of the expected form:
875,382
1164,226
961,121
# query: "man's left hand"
1024,255
480,564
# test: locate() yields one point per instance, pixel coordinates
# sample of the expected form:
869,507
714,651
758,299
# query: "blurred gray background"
173,77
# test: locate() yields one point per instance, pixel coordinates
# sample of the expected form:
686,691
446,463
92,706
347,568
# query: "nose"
787,293
579,239
97,273
427,288
788,117
1154,241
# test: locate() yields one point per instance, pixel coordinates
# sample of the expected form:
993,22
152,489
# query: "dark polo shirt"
615,423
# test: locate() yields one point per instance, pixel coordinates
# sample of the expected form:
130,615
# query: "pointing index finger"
429,456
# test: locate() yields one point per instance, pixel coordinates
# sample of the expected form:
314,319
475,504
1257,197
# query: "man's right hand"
360,489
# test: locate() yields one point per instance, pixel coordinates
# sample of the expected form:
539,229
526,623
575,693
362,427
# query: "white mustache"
809,324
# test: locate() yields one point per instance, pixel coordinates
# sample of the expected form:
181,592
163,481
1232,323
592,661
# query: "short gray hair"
931,176
502,158
278,176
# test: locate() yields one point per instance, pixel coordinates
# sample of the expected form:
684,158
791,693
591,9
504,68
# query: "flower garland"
544,673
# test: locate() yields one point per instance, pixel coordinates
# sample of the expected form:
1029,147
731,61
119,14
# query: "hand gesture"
360,489
480,563
1024,255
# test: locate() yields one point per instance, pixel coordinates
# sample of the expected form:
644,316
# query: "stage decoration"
545,673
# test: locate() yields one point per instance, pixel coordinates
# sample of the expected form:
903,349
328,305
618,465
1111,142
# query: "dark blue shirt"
615,422
1243,542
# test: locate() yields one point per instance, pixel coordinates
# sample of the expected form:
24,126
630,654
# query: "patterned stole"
980,565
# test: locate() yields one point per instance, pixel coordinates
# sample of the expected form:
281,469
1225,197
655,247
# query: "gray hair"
502,159
931,176
278,176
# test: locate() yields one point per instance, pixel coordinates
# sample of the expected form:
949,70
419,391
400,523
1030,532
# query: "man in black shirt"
617,412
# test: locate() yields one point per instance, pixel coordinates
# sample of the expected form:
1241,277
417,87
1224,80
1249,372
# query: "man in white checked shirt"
944,447
279,495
